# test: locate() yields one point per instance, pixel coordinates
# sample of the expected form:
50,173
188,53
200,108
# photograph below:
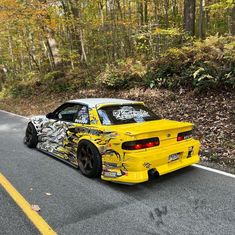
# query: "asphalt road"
189,201
12,219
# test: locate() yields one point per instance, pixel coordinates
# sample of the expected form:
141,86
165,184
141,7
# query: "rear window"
123,114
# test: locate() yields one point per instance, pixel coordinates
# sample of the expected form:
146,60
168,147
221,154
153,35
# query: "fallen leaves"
35,208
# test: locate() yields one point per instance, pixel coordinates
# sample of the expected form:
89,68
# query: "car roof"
93,102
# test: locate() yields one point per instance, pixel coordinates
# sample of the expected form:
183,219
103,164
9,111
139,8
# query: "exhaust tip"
153,174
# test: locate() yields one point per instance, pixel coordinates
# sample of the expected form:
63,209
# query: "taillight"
184,135
141,144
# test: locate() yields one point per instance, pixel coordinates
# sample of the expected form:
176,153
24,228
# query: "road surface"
189,201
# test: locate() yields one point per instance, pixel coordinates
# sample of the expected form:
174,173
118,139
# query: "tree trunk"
52,48
202,20
174,12
50,53
232,30
119,9
129,10
141,12
189,16
101,7
84,56
156,12
166,13
145,9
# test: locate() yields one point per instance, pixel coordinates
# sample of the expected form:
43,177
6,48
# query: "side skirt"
61,159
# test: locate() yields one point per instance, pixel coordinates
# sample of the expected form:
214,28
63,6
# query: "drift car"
119,140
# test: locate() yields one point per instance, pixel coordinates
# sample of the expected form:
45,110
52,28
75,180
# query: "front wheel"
31,138
89,159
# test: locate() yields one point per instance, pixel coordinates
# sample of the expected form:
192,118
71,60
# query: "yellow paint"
35,218
158,159
132,166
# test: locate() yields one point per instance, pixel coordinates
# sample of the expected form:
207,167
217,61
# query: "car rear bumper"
139,164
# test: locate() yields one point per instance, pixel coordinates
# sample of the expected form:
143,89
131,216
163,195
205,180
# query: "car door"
54,130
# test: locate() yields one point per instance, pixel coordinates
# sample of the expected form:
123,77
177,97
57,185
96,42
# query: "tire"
31,138
89,159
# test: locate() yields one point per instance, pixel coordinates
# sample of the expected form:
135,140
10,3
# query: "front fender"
38,122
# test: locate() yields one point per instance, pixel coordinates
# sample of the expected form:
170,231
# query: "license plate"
110,174
173,157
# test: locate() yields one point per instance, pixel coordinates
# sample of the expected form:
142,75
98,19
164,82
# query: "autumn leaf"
35,208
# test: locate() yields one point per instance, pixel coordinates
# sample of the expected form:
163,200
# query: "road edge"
13,114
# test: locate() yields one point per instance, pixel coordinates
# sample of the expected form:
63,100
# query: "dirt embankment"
213,115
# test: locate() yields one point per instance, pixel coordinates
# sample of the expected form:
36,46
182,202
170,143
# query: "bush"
54,75
56,81
122,75
51,82
60,85
208,64
20,89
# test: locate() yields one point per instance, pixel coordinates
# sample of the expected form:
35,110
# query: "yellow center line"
35,218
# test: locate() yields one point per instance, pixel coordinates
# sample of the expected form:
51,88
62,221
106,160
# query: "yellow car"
120,140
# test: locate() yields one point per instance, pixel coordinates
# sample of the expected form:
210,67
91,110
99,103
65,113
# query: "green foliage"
57,82
122,75
52,76
149,42
92,36
60,85
31,84
203,65
19,89
171,32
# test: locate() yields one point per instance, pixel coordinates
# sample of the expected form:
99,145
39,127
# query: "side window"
82,116
67,113
104,117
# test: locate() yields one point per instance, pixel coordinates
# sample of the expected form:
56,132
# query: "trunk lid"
165,130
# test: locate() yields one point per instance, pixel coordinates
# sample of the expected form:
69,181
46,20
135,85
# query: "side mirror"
50,115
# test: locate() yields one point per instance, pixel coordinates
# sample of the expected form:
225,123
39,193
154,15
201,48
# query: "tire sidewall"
34,140
97,161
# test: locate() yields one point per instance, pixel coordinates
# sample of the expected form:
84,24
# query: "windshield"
123,114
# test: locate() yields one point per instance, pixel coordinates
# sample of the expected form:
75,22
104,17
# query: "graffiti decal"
128,112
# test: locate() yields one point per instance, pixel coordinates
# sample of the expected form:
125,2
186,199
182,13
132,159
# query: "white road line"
195,165
214,170
13,114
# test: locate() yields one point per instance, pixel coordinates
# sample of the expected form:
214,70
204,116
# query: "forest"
176,55
117,42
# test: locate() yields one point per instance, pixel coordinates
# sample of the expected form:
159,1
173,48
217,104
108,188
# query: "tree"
189,16
232,30
202,19
40,36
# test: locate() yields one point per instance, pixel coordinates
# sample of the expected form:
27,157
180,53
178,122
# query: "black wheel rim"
29,134
86,158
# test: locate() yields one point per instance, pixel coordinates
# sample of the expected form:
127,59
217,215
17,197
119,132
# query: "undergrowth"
204,65
199,65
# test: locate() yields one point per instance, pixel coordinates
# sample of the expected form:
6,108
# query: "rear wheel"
89,159
31,138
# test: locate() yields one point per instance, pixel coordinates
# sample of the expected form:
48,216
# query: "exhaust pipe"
153,174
